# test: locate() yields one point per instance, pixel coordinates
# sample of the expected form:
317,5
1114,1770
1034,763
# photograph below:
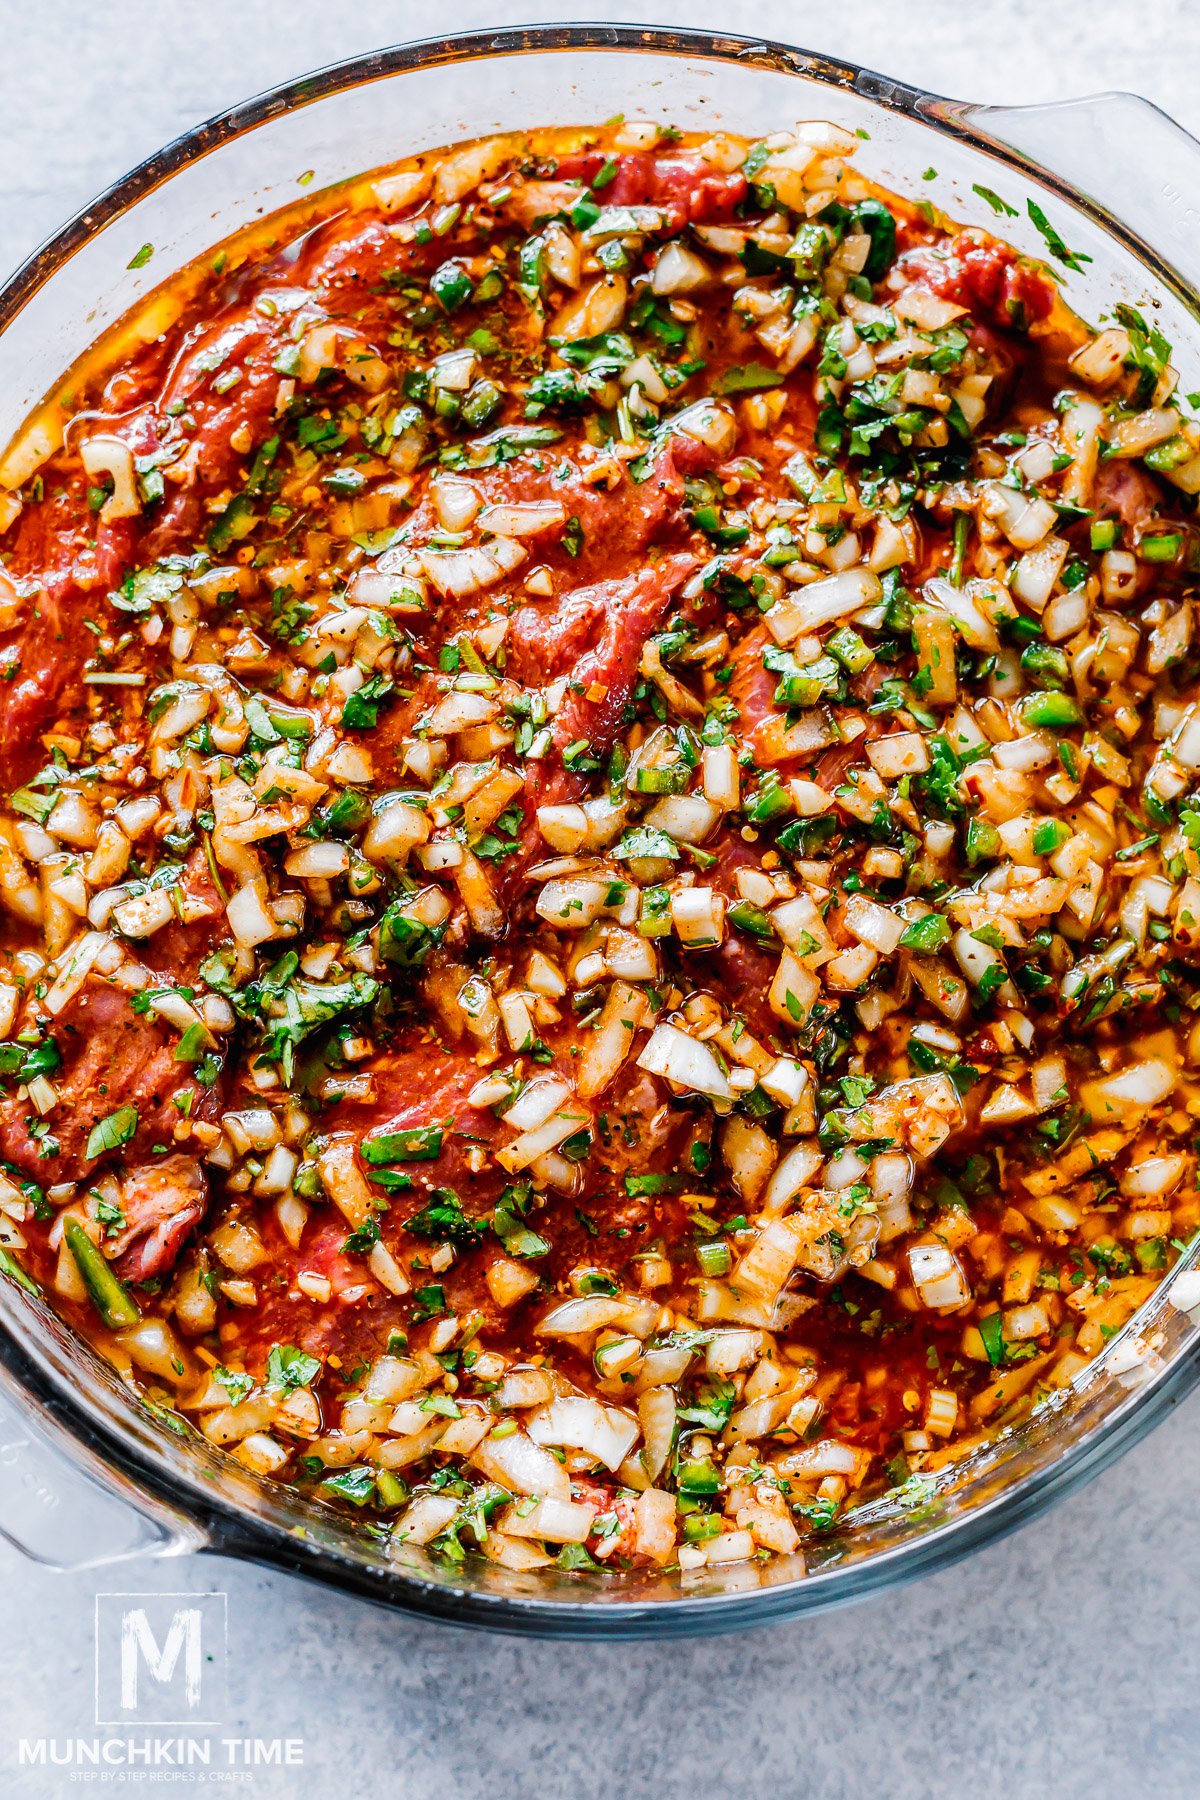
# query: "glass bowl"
90,1473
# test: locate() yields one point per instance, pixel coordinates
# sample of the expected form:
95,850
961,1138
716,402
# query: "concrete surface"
1061,1662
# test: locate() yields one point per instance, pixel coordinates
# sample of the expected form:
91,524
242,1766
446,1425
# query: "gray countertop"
1061,1661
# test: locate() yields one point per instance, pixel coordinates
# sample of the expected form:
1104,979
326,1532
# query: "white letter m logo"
138,1645
160,1659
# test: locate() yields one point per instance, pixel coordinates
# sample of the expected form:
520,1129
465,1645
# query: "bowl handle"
62,1508
1116,149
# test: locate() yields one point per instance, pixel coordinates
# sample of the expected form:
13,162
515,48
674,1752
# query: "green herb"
443,1221
24,1061
1071,259
873,218
236,522
991,1330
237,1384
430,1302
714,1401
289,1368
112,1132
363,1238
508,1222
1149,351
642,1187
1000,207
575,1556
360,711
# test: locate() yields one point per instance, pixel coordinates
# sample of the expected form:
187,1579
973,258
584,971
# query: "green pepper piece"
389,1489
752,920
926,936
11,1267
663,778
714,1258
531,271
111,1298
1162,548
850,650
983,841
1049,835
698,1475
1050,710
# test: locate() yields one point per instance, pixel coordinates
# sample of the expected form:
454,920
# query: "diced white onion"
684,1060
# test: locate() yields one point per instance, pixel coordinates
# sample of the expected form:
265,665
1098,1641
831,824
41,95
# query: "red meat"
111,1057
162,1202
1127,492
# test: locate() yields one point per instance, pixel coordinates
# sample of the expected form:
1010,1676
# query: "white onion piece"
577,1422
826,1458
679,271
557,1521
522,518
459,174
656,1414
576,902
249,919
394,830
522,1466
571,1318
396,192
873,924
937,1276
1157,1175
688,818
791,1174
1142,1084
535,1103
710,423
526,1149
463,572
684,1060
455,502
377,588
425,1519
73,969
1038,570
821,602
977,629
141,915
1025,519
111,456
